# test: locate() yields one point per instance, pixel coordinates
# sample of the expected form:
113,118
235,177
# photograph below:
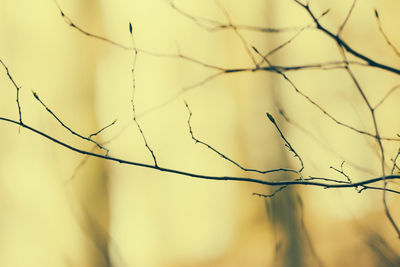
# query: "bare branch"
229,159
365,187
16,87
102,129
347,18
206,177
73,25
377,137
394,162
287,144
244,42
341,171
390,44
279,47
135,52
342,43
66,127
394,88
281,71
273,193
214,25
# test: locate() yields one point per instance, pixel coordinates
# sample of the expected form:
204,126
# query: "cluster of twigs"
261,64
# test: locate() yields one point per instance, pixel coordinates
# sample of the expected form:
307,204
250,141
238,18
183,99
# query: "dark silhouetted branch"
229,159
66,127
135,52
16,87
287,144
391,45
73,25
347,47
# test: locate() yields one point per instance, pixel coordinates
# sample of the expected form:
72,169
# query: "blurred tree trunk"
283,208
91,182
256,148
45,55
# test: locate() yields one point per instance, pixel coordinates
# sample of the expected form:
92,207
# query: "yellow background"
55,212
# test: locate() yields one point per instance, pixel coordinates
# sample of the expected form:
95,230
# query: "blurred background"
60,208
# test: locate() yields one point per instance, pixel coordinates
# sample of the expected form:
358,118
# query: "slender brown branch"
281,72
347,18
273,193
390,44
201,176
391,91
214,25
73,25
228,158
344,44
287,144
341,171
135,52
102,129
279,47
66,127
394,162
16,87
238,34
365,187
377,137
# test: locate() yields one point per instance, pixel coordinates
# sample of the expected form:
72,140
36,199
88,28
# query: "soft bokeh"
61,208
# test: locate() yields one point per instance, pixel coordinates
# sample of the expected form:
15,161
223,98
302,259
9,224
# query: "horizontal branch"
206,177
344,44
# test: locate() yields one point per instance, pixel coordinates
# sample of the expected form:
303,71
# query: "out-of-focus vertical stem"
283,209
90,196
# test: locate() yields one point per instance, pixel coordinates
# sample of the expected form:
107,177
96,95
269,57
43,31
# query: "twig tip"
326,12
376,13
35,95
270,118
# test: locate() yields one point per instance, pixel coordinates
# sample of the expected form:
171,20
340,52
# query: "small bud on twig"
376,14
326,12
271,118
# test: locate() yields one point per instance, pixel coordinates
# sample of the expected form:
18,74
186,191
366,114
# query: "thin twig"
279,47
16,87
394,162
78,167
346,46
391,45
214,25
322,143
73,25
135,52
66,127
238,34
341,171
273,193
287,144
394,88
312,178
102,129
229,159
365,187
280,71
282,45
202,176
377,137
347,18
